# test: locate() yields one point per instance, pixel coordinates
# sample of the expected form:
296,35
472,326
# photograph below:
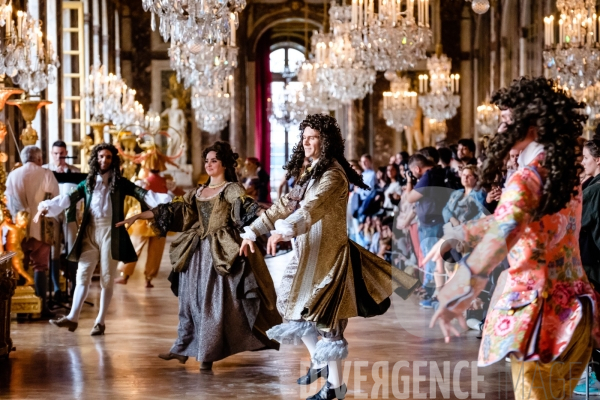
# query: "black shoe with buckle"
327,393
313,374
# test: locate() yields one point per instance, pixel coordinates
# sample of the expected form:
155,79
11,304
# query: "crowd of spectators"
415,199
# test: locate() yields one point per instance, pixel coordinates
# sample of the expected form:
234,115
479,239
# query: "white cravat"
100,206
529,154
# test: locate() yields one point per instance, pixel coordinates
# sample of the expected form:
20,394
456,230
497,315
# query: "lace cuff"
153,199
55,206
248,234
285,229
163,215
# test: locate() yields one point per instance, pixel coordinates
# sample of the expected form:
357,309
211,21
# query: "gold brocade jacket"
336,278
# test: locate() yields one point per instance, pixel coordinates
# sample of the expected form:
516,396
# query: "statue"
16,233
177,124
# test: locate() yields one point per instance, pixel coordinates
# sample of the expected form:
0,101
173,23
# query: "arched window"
284,63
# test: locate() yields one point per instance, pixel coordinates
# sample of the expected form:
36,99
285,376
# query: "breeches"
96,249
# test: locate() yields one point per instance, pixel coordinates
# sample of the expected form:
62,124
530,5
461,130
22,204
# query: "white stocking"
79,296
105,297
310,341
335,373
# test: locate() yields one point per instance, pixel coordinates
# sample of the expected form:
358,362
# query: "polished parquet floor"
386,354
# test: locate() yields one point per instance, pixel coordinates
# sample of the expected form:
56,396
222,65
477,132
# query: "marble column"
237,124
466,75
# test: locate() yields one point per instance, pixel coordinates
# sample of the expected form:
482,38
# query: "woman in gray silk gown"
226,302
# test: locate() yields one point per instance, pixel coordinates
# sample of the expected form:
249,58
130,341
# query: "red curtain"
262,141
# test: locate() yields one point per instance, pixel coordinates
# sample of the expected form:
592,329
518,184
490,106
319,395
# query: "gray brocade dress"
213,323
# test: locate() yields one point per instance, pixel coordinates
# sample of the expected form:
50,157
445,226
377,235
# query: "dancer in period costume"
330,278
543,317
98,240
226,302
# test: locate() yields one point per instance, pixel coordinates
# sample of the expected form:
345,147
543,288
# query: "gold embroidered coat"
336,279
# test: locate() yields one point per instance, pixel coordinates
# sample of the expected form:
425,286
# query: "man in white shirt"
59,165
26,187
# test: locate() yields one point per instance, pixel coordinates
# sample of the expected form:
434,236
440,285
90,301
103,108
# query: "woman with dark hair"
98,240
330,279
589,236
542,318
226,302
391,194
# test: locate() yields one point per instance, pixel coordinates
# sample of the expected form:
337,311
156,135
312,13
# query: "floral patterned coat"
539,307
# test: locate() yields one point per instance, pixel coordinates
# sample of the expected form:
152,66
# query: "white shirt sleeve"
248,234
153,199
56,205
284,228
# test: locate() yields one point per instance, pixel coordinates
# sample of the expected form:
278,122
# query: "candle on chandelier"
394,17
371,10
427,13
561,37
232,29
231,84
419,11
386,99
19,23
8,18
354,12
360,12
595,24
457,85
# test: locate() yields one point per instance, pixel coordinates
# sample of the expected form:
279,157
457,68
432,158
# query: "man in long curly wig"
98,241
331,278
542,317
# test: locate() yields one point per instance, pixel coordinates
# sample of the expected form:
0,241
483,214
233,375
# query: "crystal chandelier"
103,94
591,96
290,108
341,70
575,60
315,97
437,130
488,119
399,104
25,61
439,98
201,64
212,106
213,20
395,38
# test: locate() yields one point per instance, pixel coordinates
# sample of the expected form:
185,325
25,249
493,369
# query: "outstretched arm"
129,221
58,204
504,229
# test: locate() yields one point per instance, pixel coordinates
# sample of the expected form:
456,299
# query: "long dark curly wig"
332,148
539,103
115,167
228,159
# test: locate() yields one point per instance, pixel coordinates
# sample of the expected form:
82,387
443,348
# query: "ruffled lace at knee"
291,332
330,350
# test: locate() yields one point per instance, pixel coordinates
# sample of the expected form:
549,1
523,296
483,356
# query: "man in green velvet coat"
98,240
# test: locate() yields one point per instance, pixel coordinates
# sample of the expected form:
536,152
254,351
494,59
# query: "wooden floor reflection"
52,363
